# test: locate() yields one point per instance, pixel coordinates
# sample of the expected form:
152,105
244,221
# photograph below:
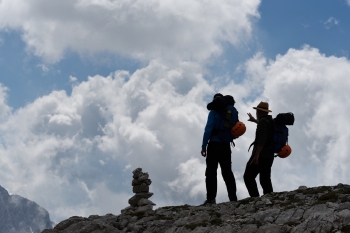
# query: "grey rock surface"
144,176
135,199
144,201
20,215
318,209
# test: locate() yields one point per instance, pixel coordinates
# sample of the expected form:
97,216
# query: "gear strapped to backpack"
280,133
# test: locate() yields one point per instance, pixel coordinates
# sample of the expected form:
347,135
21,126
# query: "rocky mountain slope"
318,209
20,215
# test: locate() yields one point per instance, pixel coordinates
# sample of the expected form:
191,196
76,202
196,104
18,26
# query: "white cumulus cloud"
142,29
70,153
53,148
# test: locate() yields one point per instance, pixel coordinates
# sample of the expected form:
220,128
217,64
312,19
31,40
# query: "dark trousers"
219,153
251,171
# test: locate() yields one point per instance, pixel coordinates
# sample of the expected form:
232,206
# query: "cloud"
58,149
44,68
5,110
73,154
348,2
189,30
331,22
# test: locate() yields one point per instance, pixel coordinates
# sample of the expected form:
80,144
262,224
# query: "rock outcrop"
318,209
140,186
20,215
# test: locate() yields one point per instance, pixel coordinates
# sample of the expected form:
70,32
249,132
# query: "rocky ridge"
318,209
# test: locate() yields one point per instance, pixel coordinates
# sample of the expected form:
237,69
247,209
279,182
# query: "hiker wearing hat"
216,147
262,156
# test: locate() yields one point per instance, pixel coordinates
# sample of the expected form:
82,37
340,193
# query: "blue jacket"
215,121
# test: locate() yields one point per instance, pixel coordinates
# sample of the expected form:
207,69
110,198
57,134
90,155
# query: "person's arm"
262,136
207,132
252,119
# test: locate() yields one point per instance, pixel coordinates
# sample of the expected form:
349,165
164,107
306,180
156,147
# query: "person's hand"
251,118
204,153
255,160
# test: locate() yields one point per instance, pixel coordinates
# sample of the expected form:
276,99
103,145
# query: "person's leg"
250,173
265,175
211,171
226,171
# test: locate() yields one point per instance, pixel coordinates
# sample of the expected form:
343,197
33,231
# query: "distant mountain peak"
20,215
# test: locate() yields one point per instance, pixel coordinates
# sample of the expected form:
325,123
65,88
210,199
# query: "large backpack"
226,124
219,104
280,131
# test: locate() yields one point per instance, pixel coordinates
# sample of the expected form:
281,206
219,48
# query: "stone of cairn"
140,186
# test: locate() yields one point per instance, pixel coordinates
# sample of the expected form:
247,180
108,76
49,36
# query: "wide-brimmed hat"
263,106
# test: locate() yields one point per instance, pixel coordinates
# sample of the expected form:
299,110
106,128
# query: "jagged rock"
135,199
266,201
148,181
135,182
302,187
144,176
137,175
144,195
86,225
129,209
144,208
140,188
318,209
144,201
137,170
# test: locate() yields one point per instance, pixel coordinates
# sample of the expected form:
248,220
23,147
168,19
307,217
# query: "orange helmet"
238,129
285,152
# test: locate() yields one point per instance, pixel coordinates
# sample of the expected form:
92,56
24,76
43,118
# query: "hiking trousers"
264,169
219,153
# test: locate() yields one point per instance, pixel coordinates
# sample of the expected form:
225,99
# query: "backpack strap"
251,145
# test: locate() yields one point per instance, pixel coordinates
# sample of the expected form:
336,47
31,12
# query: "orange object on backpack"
238,129
285,152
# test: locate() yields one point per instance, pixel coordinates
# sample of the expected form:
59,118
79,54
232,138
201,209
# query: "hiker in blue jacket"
216,148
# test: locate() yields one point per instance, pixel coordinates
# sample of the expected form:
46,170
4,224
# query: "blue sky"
152,68
291,24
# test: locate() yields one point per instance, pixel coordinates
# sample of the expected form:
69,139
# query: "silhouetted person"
262,156
218,150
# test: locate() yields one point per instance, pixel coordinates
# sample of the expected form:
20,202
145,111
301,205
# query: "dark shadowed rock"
135,199
20,215
318,209
140,188
135,182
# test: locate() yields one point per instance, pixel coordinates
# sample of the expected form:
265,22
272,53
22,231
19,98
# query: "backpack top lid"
220,103
285,119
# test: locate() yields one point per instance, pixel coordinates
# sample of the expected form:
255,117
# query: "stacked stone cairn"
140,186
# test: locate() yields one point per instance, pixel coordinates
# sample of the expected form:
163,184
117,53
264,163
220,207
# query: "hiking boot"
209,202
